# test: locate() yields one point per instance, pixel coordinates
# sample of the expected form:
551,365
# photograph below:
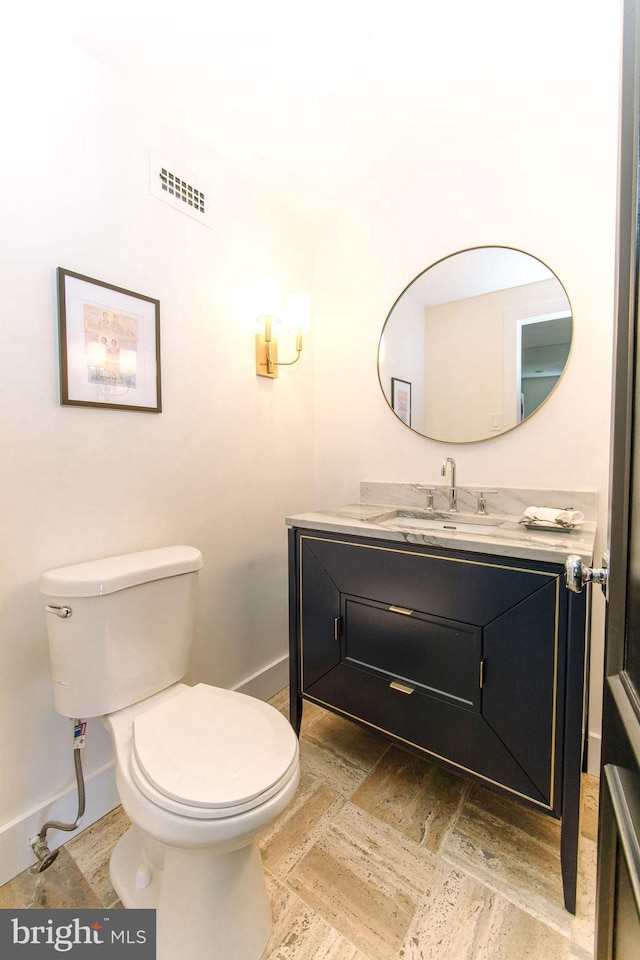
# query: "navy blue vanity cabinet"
472,660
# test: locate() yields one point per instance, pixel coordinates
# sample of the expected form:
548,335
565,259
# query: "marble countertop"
503,535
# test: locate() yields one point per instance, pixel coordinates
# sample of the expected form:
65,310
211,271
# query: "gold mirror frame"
475,344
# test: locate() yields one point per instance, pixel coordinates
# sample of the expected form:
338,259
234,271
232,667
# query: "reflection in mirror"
479,341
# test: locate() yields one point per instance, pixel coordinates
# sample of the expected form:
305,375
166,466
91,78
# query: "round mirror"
475,344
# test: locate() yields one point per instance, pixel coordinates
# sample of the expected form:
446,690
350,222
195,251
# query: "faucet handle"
482,503
430,492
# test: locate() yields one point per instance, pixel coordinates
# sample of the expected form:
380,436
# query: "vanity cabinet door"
457,655
521,681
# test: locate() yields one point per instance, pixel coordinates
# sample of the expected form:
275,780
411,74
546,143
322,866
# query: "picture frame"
401,399
109,345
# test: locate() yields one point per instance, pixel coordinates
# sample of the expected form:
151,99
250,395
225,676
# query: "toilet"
201,771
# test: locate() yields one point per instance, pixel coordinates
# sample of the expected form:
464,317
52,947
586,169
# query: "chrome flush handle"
63,612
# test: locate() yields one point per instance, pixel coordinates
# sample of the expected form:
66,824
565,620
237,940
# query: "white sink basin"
481,526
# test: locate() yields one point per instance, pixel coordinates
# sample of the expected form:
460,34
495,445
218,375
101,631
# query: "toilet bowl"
201,772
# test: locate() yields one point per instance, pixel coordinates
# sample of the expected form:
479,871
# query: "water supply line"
38,843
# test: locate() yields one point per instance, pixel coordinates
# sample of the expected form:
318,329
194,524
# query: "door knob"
578,574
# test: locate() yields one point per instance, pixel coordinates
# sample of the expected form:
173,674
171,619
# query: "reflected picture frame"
109,345
401,399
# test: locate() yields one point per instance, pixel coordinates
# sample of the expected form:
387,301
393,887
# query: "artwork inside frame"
109,345
401,399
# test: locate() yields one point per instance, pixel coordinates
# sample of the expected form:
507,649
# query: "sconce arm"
289,363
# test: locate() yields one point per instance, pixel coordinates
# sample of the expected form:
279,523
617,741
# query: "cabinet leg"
573,750
295,711
569,857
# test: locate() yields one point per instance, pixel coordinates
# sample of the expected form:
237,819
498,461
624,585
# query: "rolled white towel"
563,518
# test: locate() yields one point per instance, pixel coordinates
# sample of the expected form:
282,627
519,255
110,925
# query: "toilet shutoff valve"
79,730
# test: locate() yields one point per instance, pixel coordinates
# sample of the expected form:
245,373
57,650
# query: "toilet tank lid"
98,577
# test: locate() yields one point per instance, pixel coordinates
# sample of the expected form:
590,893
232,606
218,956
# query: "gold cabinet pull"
336,628
403,610
402,687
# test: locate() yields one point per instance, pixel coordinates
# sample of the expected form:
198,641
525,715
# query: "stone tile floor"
383,856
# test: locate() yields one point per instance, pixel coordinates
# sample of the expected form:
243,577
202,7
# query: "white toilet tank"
128,634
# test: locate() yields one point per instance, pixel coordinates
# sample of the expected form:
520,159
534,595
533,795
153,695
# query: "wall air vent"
180,189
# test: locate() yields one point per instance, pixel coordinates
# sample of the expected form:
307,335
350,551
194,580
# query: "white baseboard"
594,751
267,681
15,848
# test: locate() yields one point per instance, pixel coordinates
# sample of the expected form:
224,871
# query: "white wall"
221,466
525,159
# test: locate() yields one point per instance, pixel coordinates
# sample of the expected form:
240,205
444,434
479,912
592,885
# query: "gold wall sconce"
272,320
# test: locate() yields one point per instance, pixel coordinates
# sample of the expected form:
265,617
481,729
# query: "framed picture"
401,399
109,345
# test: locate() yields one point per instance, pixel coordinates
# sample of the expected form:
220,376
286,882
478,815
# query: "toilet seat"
211,753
